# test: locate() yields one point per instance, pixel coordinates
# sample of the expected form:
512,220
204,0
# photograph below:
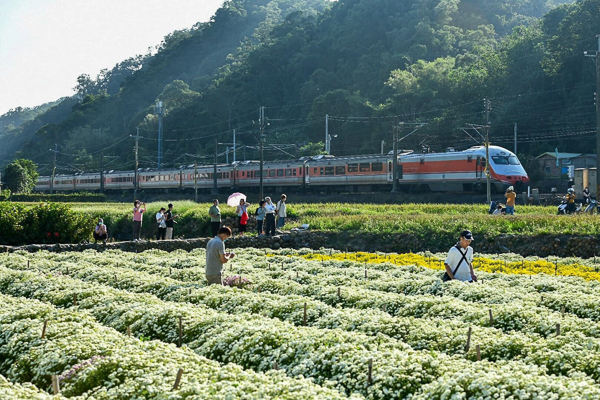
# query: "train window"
315,171
279,172
376,167
295,172
265,173
340,170
390,166
220,175
329,170
352,167
365,167
288,172
512,160
422,161
498,160
470,159
272,173
321,171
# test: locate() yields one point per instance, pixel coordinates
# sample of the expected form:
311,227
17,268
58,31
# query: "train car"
349,174
457,171
119,180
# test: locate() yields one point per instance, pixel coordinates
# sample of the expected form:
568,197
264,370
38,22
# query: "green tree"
312,149
21,176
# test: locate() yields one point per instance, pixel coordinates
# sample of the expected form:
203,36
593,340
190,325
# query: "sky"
46,44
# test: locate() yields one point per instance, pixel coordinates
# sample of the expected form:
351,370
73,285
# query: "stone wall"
542,246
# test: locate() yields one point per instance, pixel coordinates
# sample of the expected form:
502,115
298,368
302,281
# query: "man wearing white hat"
511,196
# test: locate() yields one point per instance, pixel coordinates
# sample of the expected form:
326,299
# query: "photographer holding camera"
170,221
139,209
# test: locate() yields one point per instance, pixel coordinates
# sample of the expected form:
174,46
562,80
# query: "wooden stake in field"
44,329
557,329
304,319
478,353
55,385
178,379
27,264
339,293
562,311
555,268
129,331
275,365
491,317
370,376
468,346
180,331
75,299
366,273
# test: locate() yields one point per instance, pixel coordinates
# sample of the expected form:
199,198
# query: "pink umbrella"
234,199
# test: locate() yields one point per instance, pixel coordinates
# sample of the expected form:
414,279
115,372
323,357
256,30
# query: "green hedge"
44,223
60,197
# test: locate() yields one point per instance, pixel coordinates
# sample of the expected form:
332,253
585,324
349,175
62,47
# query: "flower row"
123,367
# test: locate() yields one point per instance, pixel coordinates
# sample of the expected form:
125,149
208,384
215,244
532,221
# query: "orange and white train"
450,171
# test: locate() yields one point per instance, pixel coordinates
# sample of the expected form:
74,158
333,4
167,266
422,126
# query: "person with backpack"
260,216
459,262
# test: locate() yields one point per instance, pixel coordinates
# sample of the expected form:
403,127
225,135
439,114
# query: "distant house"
553,174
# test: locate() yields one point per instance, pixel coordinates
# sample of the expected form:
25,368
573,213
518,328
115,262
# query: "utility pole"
488,107
262,145
234,145
101,173
515,138
327,134
227,155
395,162
136,151
596,58
53,169
382,144
215,183
196,181
160,111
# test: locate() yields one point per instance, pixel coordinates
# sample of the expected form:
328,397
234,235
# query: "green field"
430,223
300,329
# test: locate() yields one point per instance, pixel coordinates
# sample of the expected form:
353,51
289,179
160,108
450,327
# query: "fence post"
55,385
178,379
468,346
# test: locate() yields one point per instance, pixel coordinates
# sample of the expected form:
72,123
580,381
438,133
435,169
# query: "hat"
511,188
467,235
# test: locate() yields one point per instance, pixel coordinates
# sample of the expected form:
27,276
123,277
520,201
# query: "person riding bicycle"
570,198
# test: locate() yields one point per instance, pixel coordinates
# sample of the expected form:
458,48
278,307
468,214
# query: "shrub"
43,223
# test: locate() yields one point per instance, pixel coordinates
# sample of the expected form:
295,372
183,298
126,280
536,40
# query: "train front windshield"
506,160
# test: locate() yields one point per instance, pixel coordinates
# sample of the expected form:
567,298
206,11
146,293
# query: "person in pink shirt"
139,209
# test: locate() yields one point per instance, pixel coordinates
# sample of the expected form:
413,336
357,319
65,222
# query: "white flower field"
126,325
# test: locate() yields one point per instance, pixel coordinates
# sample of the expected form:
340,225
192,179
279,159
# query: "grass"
428,222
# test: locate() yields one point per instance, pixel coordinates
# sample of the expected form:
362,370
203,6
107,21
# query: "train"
448,171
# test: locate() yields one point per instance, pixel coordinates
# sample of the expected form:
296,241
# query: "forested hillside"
362,62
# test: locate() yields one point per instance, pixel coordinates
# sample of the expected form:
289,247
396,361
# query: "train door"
307,174
390,174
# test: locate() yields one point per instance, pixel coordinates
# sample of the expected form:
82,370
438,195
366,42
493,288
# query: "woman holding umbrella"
238,200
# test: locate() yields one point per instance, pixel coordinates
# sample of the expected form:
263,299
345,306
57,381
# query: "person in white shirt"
459,263
269,217
162,225
281,211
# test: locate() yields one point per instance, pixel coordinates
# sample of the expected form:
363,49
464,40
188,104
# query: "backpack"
256,212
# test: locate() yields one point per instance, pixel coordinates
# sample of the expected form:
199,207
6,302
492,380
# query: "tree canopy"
362,62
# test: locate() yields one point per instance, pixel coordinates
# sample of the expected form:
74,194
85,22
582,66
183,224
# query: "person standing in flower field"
269,223
216,256
162,226
281,211
511,196
459,263
170,221
138,213
215,217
